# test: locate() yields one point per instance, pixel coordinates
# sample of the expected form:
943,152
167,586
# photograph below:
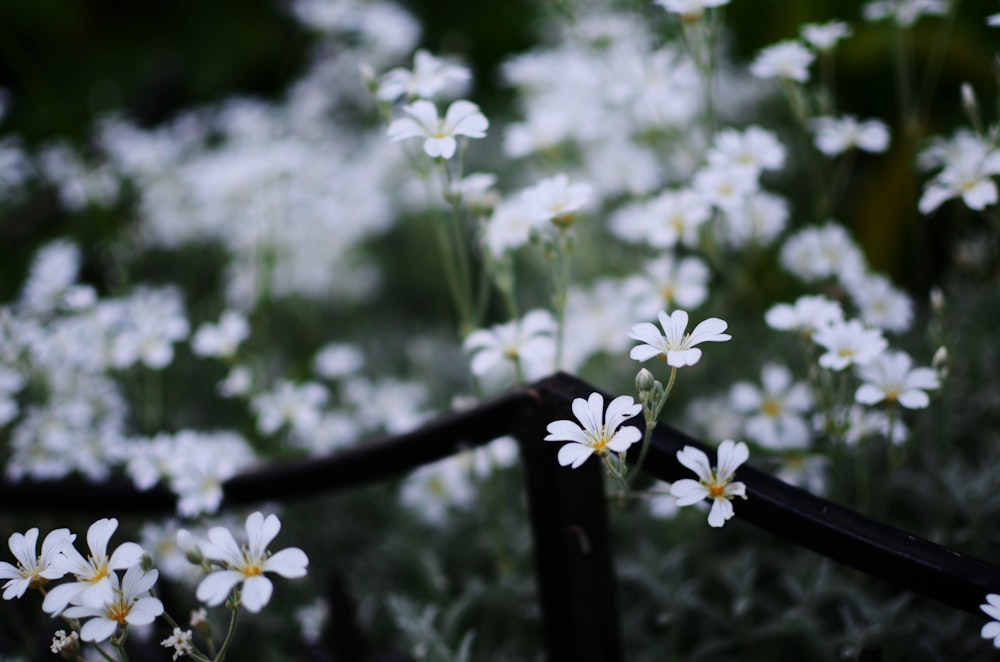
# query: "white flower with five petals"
599,433
461,119
891,377
673,346
715,483
247,564
32,570
128,605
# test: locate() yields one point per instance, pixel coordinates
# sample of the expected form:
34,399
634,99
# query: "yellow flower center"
715,490
118,611
771,408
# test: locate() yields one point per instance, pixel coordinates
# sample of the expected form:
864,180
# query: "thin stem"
234,599
561,279
651,415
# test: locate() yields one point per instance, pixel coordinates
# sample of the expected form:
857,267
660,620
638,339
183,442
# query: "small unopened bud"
970,106
644,381
190,548
146,562
937,300
940,362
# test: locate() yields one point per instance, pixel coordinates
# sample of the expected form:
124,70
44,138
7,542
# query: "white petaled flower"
993,20
527,343
667,283
128,606
880,304
93,586
786,59
690,9
180,641
848,343
461,119
753,147
824,36
726,185
968,174
597,432
806,315
509,227
245,565
836,135
891,377
555,199
776,410
715,483
221,339
992,609
904,12
31,569
430,77
673,346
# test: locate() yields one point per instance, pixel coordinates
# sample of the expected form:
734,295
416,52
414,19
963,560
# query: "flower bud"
644,381
937,300
940,362
186,543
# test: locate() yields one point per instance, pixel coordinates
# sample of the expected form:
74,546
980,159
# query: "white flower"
759,220
65,642
817,253
599,433
786,59
715,483
667,283
880,303
93,586
992,609
528,343
247,564
726,185
836,135
892,378
754,147
297,405
993,20
127,606
690,8
776,411
807,314
672,346
824,36
430,76
509,227
461,119
336,360
32,570
180,641
555,199
904,12
848,343
968,172
221,339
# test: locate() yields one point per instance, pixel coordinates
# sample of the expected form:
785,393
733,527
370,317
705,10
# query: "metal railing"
568,512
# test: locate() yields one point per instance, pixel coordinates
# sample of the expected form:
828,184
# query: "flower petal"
215,587
290,563
256,592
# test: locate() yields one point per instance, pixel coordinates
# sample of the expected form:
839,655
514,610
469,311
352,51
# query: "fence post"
573,563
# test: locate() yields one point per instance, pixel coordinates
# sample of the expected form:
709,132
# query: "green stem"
234,599
561,279
651,414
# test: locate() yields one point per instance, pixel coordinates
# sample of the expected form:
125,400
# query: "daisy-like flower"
668,282
904,12
431,76
221,339
836,135
776,410
180,641
754,147
673,346
808,314
824,36
31,569
129,605
849,343
93,586
715,483
891,377
555,199
461,119
245,565
786,59
527,343
967,174
992,609
599,433
690,10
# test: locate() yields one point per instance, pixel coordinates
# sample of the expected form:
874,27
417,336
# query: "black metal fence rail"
568,511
